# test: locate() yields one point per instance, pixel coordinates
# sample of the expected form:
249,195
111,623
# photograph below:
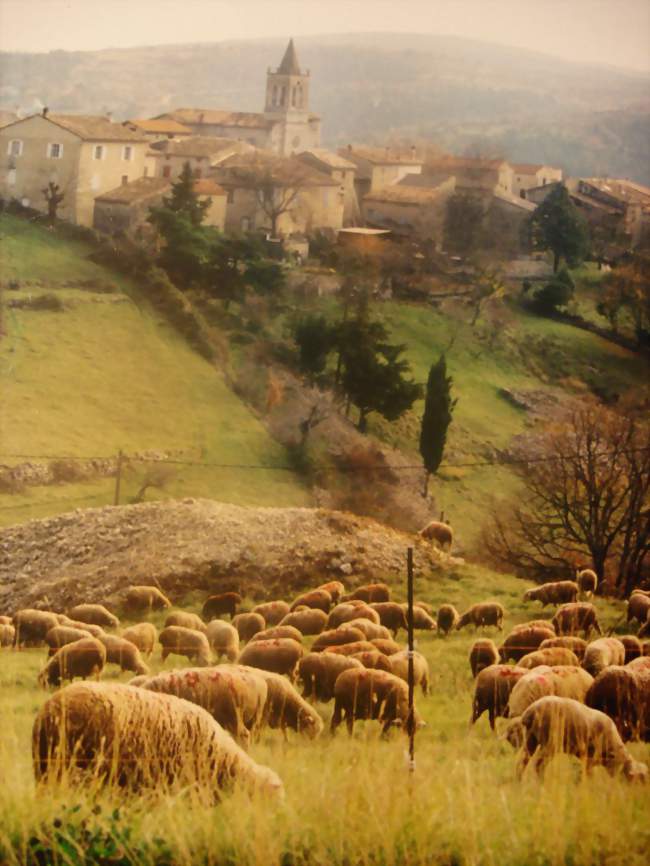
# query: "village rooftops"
215,117
527,167
89,127
7,117
514,200
151,187
381,155
622,189
197,146
163,126
329,158
260,166
407,195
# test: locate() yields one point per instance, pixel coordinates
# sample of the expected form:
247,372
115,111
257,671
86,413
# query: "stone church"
286,125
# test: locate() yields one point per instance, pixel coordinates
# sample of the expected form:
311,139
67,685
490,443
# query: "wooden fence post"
409,617
118,478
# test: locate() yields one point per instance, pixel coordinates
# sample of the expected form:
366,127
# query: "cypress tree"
438,411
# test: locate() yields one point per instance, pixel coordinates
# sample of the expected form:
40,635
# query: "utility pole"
409,618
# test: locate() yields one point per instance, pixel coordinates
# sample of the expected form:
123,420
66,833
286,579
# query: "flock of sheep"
192,726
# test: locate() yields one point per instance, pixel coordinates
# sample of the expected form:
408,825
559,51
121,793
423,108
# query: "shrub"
555,294
48,301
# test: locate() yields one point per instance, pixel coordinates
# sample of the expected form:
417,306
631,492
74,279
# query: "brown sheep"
399,665
533,623
289,631
572,618
7,634
644,631
223,638
640,664
61,635
32,625
143,635
440,533
318,673
372,660
176,640
236,698
335,589
482,654
558,592
346,612
146,598
370,694
623,693
633,647
336,637
95,614
371,592
446,619
133,738
587,581
5,620
422,619
123,653
217,605
94,630
348,649
519,643
492,691
425,606
550,656
638,607
248,624
285,708
392,615
272,611
184,619
483,614
577,645
386,646
562,680
82,658
279,656
319,599
371,630
308,622
603,653
553,725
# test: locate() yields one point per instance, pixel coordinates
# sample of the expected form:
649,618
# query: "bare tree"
53,195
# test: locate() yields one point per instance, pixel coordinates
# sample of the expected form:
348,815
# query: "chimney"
413,151
201,117
45,110
349,148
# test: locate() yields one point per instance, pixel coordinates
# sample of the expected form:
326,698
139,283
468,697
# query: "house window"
15,147
55,150
231,196
245,224
99,151
11,177
167,171
127,153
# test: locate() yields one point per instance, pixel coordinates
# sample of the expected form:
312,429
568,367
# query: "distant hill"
468,96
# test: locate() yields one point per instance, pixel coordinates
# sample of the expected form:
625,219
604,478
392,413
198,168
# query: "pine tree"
557,225
184,200
438,410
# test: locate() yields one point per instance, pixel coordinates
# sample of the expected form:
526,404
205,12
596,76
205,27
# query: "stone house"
167,158
410,210
341,170
617,209
85,155
527,176
473,174
379,167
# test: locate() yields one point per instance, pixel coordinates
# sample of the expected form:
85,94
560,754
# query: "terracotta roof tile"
215,117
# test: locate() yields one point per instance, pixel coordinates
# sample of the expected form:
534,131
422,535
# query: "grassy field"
349,801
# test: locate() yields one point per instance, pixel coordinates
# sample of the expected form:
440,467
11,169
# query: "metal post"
118,478
411,718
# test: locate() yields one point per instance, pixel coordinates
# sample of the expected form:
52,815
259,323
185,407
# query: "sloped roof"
289,64
7,117
197,145
242,170
164,126
136,190
621,189
207,186
409,195
329,158
526,167
216,117
381,155
94,128
515,200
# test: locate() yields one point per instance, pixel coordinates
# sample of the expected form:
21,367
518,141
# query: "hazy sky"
602,31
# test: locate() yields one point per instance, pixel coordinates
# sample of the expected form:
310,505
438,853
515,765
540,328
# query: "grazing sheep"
7,634
285,708
335,589
520,642
217,605
248,624
337,637
587,581
95,614
482,654
318,673
308,622
371,630
638,607
391,615
184,619
550,656
603,653
386,646
236,698
146,598
640,664
554,724
425,606
32,625
633,647
440,533
370,592
421,618
370,694
558,592
346,612
348,649
533,623
373,660
82,658
133,738
5,620
644,631
447,618
279,656
176,640
572,618
577,645
94,630
223,638
61,635
319,599
562,680
123,653
399,665
492,691
482,614
272,611
143,635
289,631
623,693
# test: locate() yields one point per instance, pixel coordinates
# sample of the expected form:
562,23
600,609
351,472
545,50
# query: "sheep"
184,619
558,592
319,599
273,612
644,631
94,630
32,625
236,698
7,634
248,624
371,630
492,691
520,642
279,631
335,589
638,607
623,693
370,592
399,665
95,614
562,680
318,673
482,654
640,664
223,639
602,653
587,581
482,614
391,615
370,694
82,658
425,606
146,598
346,612
123,653
422,619
439,533
5,620
176,640
633,647
61,635
308,622
337,637
386,646
555,724
143,635
285,708
372,659
280,656
577,645
550,656
572,618
446,618
136,739
348,649
217,605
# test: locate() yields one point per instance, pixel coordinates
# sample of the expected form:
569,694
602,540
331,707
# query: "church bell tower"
287,102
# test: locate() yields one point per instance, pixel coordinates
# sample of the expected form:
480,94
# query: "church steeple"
287,87
290,65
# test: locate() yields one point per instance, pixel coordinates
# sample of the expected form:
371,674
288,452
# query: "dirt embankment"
93,554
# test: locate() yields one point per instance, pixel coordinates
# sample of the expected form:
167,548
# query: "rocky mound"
93,554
